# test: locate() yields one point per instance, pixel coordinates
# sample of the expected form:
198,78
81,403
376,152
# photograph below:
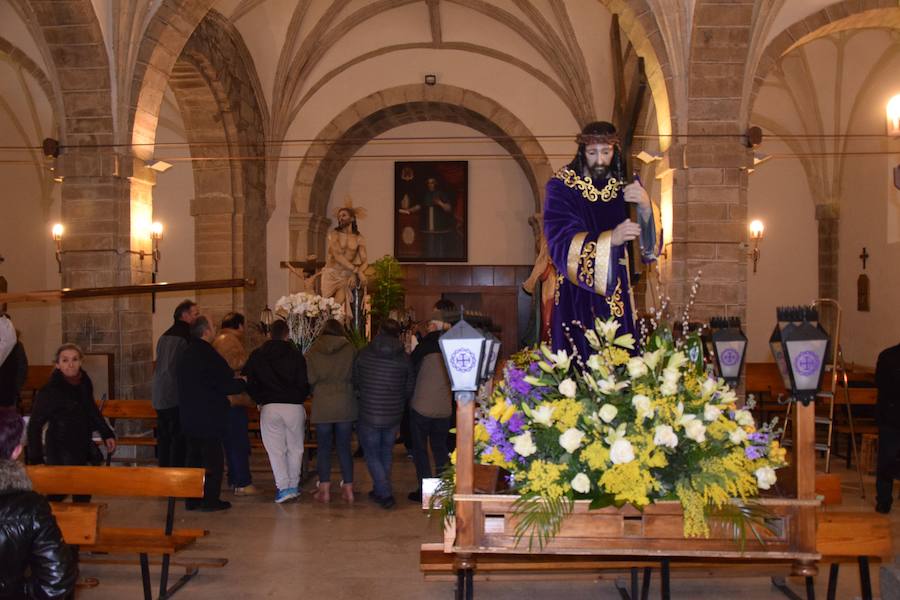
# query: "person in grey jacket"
329,364
384,380
171,448
431,405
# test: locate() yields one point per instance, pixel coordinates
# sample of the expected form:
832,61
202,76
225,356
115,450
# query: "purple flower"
759,437
516,379
516,422
534,369
508,453
754,452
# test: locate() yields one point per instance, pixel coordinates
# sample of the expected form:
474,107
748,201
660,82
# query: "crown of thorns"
589,139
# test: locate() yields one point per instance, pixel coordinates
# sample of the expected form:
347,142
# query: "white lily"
543,415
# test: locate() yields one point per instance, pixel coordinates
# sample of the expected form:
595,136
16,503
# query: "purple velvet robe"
592,274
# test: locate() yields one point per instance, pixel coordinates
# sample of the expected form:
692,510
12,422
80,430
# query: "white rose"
670,375
568,388
637,367
641,404
664,435
668,389
743,418
765,477
737,436
581,483
695,430
621,452
571,439
711,412
709,386
608,412
543,415
523,444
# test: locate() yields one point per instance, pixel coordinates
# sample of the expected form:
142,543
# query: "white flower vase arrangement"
306,315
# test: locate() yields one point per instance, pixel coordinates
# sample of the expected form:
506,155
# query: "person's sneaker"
284,495
415,496
247,490
215,506
388,502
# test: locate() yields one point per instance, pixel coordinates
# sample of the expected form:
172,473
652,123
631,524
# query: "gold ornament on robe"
586,186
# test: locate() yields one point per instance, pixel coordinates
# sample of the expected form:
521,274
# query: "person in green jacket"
329,364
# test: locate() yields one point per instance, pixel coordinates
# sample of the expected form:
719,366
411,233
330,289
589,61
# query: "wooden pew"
78,523
146,482
139,410
841,537
37,377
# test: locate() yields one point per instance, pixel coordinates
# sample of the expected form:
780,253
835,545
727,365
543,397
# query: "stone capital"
828,211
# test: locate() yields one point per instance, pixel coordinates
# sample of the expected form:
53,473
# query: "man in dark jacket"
170,441
34,560
204,382
276,380
431,405
384,380
887,378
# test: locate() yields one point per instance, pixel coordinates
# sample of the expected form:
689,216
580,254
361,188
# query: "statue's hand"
625,231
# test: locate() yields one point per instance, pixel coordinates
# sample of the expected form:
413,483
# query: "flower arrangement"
306,315
624,427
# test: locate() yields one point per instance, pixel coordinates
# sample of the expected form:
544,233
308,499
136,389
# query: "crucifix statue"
864,257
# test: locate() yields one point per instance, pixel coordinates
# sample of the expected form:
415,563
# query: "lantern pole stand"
466,518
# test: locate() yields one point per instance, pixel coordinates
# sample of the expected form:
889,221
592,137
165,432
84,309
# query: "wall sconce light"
756,234
56,232
892,112
156,234
430,79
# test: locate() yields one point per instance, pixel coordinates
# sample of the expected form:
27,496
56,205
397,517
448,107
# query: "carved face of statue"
345,218
431,183
599,157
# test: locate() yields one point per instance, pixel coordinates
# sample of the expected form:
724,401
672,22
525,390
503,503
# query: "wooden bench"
138,410
78,523
147,482
37,377
841,537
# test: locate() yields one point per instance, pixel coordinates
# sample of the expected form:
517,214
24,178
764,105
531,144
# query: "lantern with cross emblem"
729,346
463,349
805,346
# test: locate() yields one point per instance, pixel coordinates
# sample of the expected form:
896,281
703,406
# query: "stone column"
828,219
106,212
217,253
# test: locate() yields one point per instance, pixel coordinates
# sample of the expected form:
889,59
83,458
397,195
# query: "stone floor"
309,550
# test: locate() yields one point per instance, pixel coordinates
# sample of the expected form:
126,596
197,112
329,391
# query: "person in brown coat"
230,344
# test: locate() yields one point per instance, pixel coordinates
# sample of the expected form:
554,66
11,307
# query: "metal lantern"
266,318
491,352
463,349
805,349
777,347
729,347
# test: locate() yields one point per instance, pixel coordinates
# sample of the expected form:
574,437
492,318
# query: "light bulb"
156,230
756,229
57,231
892,112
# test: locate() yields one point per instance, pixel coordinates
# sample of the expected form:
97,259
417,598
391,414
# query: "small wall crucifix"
864,257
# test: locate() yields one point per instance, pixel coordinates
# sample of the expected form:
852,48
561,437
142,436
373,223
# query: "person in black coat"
34,560
204,383
384,381
66,406
13,373
887,378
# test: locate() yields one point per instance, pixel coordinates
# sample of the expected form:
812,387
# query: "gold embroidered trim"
586,264
616,306
559,282
601,262
586,186
574,256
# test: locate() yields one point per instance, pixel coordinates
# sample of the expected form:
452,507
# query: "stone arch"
225,119
19,58
371,116
840,16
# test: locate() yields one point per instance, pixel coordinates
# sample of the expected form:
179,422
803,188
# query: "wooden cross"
864,256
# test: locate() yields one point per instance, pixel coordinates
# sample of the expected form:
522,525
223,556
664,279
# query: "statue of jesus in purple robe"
586,225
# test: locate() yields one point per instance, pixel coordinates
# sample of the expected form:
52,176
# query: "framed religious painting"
431,208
